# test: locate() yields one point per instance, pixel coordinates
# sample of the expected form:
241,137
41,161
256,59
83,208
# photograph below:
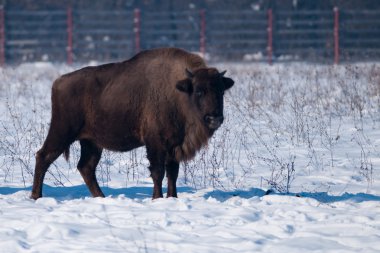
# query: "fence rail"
73,35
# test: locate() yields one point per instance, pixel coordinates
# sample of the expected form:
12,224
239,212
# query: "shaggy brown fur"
165,99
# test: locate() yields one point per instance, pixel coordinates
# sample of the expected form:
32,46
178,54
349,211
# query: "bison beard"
165,99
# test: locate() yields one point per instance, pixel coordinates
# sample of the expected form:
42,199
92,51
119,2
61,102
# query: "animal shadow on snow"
225,195
81,191
322,197
142,192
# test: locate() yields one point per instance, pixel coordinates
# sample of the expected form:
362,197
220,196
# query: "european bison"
165,99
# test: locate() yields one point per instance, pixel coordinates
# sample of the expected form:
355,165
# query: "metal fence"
82,35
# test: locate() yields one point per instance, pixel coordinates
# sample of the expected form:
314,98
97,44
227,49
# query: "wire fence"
75,35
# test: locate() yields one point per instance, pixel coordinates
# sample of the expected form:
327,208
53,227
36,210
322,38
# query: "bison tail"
66,153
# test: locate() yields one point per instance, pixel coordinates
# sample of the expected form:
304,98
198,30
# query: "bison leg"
157,170
43,160
172,168
89,158
56,142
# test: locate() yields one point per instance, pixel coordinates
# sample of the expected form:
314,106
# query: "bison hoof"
157,196
35,196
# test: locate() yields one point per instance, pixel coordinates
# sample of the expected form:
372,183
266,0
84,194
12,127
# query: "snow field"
201,221
309,133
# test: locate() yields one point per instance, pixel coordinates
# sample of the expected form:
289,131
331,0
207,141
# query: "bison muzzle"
165,99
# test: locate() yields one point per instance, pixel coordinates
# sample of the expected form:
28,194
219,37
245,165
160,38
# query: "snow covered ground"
293,169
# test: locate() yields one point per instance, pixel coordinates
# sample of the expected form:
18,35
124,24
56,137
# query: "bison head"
205,89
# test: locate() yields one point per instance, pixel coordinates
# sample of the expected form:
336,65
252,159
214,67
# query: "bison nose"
214,122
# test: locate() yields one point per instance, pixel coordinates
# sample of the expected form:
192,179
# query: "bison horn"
189,74
222,73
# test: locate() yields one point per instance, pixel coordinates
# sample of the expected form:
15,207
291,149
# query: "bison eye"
199,93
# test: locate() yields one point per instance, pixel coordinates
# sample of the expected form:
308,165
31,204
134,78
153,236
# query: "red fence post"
2,36
69,35
137,27
336,35
202,35
270,36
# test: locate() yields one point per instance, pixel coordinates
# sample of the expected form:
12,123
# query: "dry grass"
289,120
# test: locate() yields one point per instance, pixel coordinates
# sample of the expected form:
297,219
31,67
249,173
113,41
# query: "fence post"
202,35
2,36
336,35
69,35
270,36
137,29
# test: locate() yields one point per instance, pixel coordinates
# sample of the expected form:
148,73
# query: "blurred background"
325,31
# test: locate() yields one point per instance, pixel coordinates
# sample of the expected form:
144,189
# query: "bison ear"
228,83
185,86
